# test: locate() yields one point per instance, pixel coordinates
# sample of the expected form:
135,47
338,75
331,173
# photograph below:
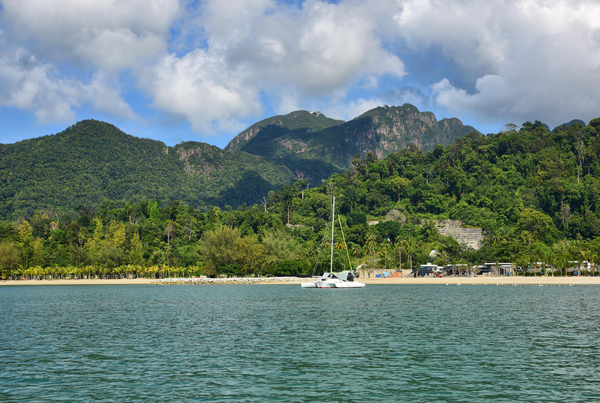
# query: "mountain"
298,121
94,160
566,125
315,146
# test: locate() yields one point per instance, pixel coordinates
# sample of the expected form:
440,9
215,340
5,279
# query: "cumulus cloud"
28,84
214,63
258,46
351,109
108,33
57,54
104,95
529,60
202,88
463,32
317,50
248,48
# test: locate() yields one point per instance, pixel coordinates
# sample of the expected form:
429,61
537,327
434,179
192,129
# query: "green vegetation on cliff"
313,146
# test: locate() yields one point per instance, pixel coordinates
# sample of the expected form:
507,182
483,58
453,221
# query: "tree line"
534,193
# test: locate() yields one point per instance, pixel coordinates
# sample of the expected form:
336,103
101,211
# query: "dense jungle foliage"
534,193
93,160
316,147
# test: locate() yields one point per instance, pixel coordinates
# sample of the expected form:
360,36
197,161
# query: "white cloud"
463,32
202,88
117,49
106,33
317,50
529,60
28,84
106,97
74,51
231,21
258,46
513,60
287,101
349,110
250,47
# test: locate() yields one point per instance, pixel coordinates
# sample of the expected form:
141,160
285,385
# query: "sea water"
254,343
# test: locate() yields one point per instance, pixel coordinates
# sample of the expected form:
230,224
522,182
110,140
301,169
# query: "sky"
184,70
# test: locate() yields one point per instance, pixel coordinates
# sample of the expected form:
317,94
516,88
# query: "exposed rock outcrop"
471,237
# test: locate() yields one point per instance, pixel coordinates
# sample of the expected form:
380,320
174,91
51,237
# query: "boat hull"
333,284
350,284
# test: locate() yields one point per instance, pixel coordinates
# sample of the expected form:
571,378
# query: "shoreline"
478,280
487,280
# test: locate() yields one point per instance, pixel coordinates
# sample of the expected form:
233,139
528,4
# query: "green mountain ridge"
533,193
314,146
94,160
301,121
91,160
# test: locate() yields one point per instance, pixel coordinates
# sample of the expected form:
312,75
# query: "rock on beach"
226,281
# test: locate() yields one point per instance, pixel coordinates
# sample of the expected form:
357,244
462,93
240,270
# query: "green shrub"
291,268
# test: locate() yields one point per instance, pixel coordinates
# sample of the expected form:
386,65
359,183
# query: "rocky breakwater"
225,281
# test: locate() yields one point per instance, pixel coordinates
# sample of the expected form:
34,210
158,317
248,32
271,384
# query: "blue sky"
181,70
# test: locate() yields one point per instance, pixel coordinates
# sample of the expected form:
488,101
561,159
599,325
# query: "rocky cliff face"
394,128
317,146
471,237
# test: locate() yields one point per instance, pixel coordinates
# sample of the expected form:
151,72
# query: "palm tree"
524,259
575,251
340,246
563,249
370,245
356,252
168,231
462,262
563,261
551,259
412,246
402,244
595,259
493,238
585,255
384,247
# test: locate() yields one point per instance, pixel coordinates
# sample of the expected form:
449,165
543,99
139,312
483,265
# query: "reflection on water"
284,343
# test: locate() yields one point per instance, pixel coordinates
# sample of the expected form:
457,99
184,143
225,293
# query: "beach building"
429,270
501,269
457,269
575,267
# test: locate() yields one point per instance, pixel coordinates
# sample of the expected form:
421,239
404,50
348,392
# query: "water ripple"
283,343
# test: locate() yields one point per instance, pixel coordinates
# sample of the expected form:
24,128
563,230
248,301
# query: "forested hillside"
94,160
535,194
313,146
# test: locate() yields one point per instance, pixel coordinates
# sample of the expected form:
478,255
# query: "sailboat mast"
332,227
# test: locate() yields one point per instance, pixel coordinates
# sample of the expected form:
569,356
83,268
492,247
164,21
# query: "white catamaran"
343,279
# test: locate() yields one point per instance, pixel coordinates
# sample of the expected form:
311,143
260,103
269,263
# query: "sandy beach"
487,280
78,282
479,280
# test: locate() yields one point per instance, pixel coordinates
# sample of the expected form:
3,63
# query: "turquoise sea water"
283,343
